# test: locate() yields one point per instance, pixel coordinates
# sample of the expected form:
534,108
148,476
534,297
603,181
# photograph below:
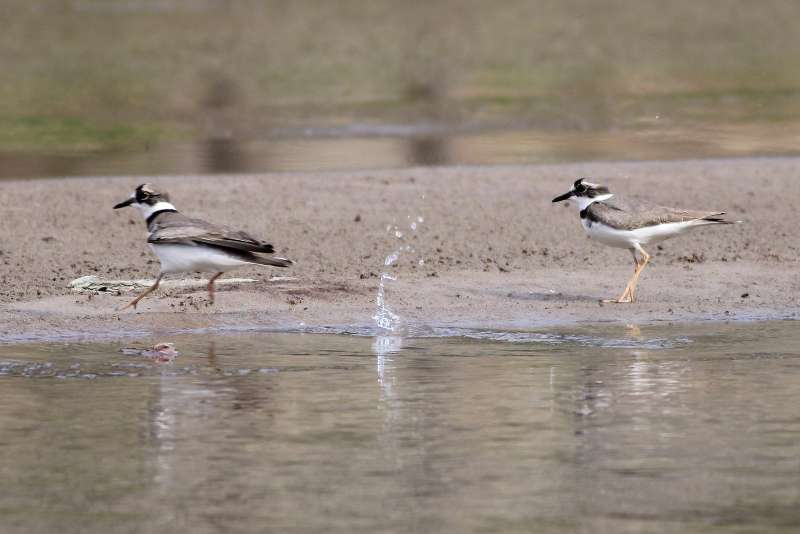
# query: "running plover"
193,245
631,225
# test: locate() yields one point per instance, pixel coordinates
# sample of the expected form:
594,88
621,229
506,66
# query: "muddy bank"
494,251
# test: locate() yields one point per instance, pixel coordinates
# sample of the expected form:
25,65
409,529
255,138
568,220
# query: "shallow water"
657,429
411,145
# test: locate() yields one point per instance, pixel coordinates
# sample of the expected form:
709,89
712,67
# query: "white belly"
194,258
643,236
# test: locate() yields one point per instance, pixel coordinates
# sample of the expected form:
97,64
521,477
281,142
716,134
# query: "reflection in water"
222,151
426,151
384,347
292,431
225,150
223,155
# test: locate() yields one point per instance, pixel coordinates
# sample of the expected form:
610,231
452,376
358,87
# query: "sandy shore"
491,250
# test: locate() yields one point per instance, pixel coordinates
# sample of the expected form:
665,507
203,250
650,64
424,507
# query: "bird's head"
585,193
148,199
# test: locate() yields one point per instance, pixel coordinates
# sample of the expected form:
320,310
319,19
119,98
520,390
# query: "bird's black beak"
125,203
565,196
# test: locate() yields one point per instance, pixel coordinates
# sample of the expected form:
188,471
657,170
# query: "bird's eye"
580,188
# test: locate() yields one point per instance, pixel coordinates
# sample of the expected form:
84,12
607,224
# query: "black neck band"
155,214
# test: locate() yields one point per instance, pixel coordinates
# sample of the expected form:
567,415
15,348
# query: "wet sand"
495,251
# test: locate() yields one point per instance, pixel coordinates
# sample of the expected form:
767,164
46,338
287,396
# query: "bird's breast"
608,235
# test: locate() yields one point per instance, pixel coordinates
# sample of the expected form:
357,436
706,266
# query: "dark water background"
651,429
98,87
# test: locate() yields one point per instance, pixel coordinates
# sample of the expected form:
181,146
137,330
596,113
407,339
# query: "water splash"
385,319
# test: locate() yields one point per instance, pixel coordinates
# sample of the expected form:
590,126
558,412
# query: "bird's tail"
275,262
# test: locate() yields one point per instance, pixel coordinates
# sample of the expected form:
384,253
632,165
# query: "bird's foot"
625,298
128,305
617,301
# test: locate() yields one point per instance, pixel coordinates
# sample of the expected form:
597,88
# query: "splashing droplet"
391,258
384,318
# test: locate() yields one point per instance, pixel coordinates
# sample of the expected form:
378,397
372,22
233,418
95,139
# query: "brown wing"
628,215
176,228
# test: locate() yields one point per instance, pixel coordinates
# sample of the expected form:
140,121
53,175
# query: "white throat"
147,210
585,202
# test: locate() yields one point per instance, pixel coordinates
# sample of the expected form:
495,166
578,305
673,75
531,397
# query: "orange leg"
645,262
211,287
637,265
629,295
146,292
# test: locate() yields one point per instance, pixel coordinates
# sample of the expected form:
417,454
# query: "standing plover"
193,245
630,225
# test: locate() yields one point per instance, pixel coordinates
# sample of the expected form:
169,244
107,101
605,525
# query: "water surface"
657,429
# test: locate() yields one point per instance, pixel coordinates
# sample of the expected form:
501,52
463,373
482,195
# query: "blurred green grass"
54,134
107,74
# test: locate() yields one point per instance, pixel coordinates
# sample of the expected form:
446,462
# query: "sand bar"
489,249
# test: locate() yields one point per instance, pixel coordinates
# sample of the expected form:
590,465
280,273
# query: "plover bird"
632,225
193,245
